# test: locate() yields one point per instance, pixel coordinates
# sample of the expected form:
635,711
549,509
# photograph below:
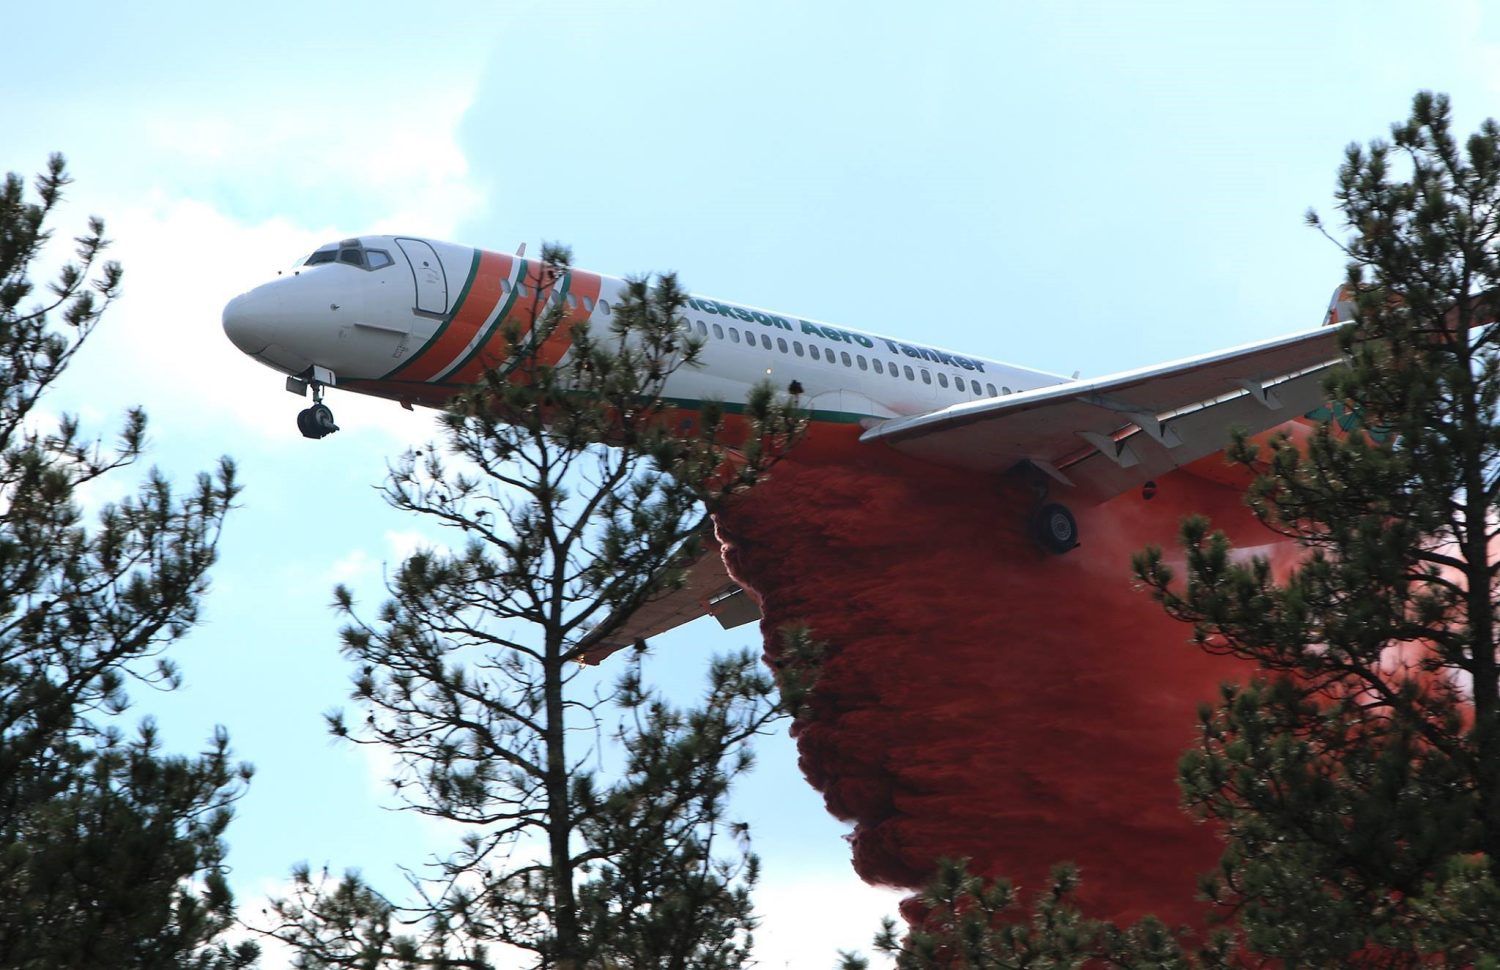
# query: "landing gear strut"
316,421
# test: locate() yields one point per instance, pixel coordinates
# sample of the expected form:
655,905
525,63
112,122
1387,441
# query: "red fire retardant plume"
983,698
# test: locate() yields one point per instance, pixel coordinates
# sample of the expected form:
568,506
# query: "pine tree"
578,494
971,923
1357,779
111,852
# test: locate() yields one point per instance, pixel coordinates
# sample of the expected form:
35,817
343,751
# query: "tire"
316,422
305,425
320,417
1055,528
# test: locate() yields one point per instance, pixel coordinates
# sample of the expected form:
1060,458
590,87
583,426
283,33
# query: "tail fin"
1340,306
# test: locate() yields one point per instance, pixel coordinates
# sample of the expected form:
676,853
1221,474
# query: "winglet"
1340,306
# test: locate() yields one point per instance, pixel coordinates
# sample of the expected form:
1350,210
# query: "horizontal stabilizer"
707,590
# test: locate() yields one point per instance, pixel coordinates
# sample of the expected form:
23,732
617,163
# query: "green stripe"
484,338
463,295
831,417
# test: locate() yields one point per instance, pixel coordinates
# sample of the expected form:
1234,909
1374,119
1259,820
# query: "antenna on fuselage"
521,250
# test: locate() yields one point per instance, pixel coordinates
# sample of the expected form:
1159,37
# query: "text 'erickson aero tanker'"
416,320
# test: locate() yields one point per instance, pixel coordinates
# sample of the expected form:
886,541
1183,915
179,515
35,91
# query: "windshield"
351,253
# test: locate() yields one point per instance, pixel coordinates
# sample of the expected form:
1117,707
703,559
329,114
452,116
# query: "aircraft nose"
250,321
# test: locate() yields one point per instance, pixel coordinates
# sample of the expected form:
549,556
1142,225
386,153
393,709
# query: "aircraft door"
427,272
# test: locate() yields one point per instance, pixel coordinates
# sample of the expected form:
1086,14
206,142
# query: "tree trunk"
560,816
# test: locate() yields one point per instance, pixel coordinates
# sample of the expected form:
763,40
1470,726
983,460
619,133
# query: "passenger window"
974,385
797,348
734,335
572,302
926,376
765,341
991,389
1004,390
879,368
588,304
718,331
844,356
909,375
604,305
863,364
350,256
812,351
781,344
942,379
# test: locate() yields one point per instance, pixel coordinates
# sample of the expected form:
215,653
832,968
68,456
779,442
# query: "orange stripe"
582,285
483,297
523,314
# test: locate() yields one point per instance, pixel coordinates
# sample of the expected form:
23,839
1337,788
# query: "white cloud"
400,157
322,173
809,917
403,542
354,567
162,343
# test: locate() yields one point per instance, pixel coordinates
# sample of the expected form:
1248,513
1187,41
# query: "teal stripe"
463,295
831,417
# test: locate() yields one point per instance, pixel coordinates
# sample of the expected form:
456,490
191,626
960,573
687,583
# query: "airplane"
417,320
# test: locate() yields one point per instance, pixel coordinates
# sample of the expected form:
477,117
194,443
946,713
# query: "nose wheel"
316,421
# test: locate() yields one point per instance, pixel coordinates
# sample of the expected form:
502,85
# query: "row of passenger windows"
850,360
796,347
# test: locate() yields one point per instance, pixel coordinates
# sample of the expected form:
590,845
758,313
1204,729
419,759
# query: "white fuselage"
417,319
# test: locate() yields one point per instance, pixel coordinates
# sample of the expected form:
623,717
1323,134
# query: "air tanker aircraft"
416,320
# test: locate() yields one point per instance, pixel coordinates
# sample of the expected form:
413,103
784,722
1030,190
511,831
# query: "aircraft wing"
707,590
1108,435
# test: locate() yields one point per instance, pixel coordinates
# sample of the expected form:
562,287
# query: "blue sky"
1117,183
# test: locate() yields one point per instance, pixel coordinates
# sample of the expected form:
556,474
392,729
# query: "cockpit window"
351,253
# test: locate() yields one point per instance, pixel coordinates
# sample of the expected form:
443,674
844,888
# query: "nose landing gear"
316,421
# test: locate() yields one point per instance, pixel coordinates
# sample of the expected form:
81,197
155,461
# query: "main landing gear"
1054,528
316,421
1050,524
